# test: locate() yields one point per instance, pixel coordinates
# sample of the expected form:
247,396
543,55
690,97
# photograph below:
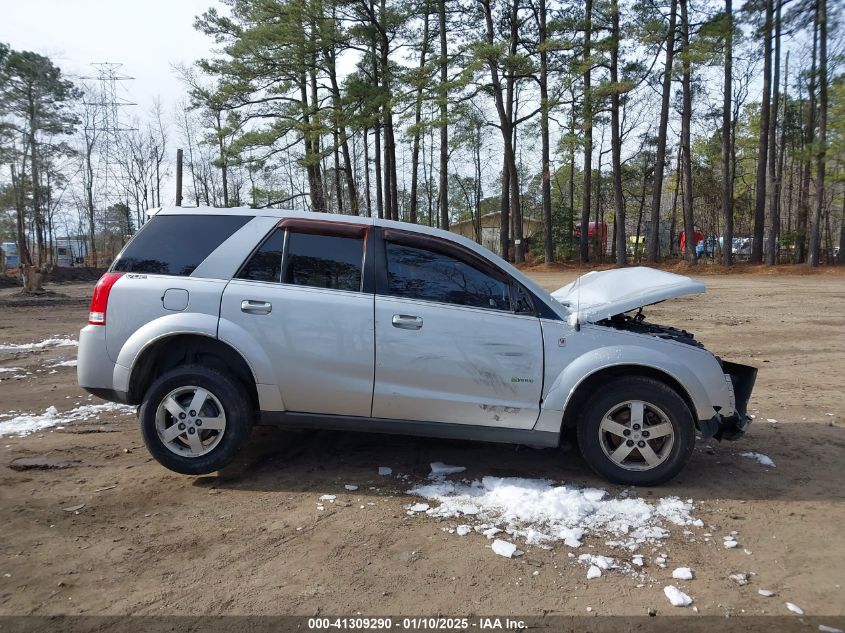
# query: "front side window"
176,244
324,261
417,273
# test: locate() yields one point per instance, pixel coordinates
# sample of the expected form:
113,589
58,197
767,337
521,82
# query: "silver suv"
213,320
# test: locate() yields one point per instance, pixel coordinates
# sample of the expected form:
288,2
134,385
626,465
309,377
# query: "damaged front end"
742,379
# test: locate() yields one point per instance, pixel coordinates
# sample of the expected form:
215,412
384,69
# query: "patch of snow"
824,628
794,608
385,470
50,342
602,562
63,363
504,548
730,542
593,572
31,422
328,497
543,513
766,593
351,487
9,370
637,560
418,507
439,469
682,573
676,597
463,530
740,579
763,460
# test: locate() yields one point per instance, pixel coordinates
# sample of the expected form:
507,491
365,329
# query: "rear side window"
176,244
324,261
417,273
266,263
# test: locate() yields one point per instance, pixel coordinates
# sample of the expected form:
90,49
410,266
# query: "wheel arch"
167,352
595,380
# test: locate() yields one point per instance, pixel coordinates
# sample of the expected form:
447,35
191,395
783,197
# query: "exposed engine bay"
638,324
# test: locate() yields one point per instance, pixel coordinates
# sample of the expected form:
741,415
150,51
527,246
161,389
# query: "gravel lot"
252,540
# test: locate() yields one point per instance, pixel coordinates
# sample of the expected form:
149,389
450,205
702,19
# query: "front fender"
687,369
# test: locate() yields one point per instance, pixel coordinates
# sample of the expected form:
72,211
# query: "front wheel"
194,419
636,431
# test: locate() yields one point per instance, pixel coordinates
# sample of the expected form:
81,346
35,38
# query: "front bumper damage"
733,427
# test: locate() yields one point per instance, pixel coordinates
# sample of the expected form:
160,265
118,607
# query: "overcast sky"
146,36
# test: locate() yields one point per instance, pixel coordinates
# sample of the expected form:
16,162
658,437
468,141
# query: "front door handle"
407,322
251,306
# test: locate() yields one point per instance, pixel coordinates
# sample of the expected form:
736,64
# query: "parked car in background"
213,320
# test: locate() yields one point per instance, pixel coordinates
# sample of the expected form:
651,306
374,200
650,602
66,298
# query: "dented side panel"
462,366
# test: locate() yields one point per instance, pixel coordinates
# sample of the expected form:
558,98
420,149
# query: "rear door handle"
251,306
407,322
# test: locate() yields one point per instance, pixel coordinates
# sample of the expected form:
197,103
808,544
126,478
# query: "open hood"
600,295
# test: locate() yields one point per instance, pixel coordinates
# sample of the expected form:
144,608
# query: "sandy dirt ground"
250,540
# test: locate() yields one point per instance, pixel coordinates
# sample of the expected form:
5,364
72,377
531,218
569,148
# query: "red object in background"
682,241
591,234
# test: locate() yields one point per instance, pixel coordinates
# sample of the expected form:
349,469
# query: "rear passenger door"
457,340
306,297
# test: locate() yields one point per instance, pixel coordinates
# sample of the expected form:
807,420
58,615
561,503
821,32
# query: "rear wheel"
636,431
194,419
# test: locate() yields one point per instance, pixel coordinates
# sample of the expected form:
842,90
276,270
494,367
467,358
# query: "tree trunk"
841,259
772,185
546,177
616,137
442,97
686,144
312,165
588,136
415,151
391,192
368,197
24,257
807,142
673,225
763,144
776,218
727,108
516,200
505,226
660,158
221,150
505,114
815,232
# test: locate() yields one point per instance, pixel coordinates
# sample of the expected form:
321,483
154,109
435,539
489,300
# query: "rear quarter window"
176,244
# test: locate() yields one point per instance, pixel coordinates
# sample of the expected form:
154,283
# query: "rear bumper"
94,368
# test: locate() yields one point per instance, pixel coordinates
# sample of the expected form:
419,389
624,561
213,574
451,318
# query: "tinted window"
324,261
266,263
416,273
176,244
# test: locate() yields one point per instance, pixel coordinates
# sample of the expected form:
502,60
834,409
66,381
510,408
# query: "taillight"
100,299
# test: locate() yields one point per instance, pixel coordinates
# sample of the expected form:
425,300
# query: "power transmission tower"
108,102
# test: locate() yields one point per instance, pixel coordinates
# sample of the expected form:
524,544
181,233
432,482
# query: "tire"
606,431
227,410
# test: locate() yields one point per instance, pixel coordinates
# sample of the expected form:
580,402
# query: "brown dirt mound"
74,275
